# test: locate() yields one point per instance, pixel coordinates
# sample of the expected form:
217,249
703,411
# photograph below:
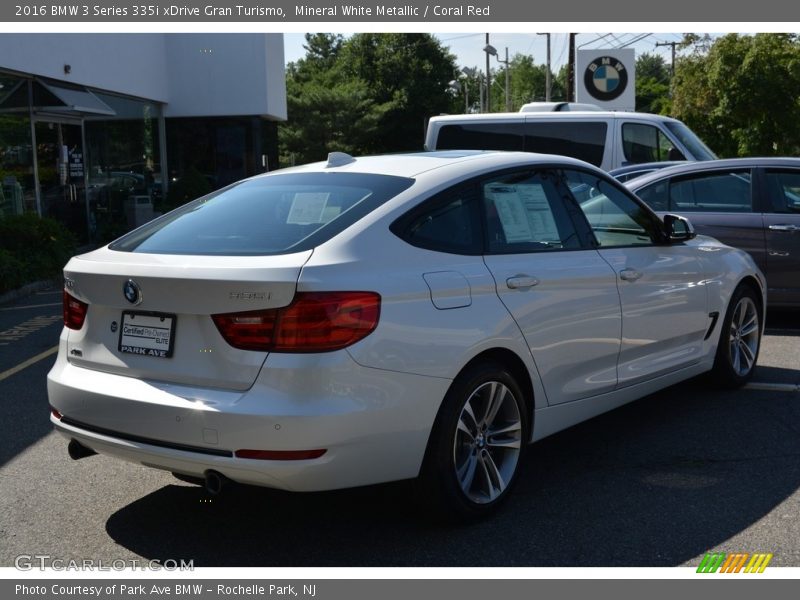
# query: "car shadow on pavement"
655,483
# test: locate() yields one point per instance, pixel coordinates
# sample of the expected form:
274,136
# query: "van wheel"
476,444
740,340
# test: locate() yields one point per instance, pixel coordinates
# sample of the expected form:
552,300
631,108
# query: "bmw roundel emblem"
605,78
132,292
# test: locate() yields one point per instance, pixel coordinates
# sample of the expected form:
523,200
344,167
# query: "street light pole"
488,76
548,85
489,49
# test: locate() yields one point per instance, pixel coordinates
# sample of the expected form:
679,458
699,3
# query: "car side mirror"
678,229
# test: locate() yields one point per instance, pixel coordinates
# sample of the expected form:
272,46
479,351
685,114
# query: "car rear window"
279,214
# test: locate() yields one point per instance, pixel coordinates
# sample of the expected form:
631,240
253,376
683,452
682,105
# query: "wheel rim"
487,442
744,336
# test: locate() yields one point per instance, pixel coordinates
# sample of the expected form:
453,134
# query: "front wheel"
740,340
476,444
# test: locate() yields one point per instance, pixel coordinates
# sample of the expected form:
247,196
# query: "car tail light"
313,322
74,311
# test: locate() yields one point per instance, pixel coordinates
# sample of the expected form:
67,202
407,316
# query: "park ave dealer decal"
605,78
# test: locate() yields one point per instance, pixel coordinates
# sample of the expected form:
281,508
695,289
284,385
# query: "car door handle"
783,227
629,274
521,282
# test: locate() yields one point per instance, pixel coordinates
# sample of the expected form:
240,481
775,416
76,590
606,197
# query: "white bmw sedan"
375,319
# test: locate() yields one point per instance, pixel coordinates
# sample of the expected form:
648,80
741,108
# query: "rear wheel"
740,340
476,444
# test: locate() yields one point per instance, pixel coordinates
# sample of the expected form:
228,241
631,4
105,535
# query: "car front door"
664,303
559,290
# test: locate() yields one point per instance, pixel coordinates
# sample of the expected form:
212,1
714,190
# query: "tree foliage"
370,93
741,93
652,84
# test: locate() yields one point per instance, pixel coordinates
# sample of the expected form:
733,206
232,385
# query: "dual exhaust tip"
213,482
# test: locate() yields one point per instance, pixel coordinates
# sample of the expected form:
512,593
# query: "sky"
468,47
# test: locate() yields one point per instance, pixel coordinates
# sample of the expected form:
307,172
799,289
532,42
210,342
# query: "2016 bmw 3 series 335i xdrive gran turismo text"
367,320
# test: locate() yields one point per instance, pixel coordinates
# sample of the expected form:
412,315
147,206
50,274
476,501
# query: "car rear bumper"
373,424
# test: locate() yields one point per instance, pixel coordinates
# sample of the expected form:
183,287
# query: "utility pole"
571,69
673,44
488,79
548,83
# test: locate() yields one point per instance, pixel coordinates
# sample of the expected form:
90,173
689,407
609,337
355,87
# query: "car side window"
783,188
526,213
449,222
615,218
645,143
656,195
728,191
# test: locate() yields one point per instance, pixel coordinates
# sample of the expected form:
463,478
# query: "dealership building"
96,128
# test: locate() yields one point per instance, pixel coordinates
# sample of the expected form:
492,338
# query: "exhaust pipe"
78,451
215,482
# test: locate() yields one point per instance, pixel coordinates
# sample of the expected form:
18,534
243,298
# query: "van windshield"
688,138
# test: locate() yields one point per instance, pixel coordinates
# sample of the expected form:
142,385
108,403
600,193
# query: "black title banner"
408,11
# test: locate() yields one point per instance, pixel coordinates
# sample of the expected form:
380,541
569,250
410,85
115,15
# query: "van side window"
578,139
783,188
645,143
728,191
481,136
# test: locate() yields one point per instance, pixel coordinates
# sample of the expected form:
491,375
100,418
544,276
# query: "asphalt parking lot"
656,483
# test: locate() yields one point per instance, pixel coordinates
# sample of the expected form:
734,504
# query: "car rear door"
781,197
561,293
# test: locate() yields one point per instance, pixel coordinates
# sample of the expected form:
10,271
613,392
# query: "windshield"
269,215
692,143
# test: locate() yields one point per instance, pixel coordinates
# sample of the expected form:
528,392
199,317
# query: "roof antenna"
338,159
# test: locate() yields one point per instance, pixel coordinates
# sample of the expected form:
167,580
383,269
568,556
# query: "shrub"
32,248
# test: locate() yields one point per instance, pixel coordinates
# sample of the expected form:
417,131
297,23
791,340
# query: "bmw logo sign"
132,292
605,78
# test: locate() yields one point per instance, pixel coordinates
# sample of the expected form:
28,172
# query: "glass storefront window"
123,166
17,184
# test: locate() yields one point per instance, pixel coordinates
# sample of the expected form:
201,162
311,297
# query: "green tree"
740,93
407,74
370,93
652,84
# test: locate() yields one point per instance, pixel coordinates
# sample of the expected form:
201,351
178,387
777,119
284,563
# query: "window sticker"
308,208
511,212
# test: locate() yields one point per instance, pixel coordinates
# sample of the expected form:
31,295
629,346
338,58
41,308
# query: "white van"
607,139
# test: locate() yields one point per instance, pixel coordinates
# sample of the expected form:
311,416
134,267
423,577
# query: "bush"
32,248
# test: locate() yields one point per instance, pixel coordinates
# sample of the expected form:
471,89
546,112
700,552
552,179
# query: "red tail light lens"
313,322
74,311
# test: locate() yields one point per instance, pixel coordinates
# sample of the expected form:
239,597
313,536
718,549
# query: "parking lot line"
31,306
28,363
772,387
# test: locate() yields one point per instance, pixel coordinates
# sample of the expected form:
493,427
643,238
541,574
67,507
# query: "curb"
26,290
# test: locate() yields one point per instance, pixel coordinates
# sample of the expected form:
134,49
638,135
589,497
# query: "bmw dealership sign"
606,78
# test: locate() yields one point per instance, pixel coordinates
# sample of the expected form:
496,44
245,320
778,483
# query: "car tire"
476,444
739,340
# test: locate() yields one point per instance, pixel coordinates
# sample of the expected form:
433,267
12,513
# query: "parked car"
376,319
637,170
749,203
606,139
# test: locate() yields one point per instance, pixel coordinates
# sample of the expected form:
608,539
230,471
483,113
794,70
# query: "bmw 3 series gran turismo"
366,320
